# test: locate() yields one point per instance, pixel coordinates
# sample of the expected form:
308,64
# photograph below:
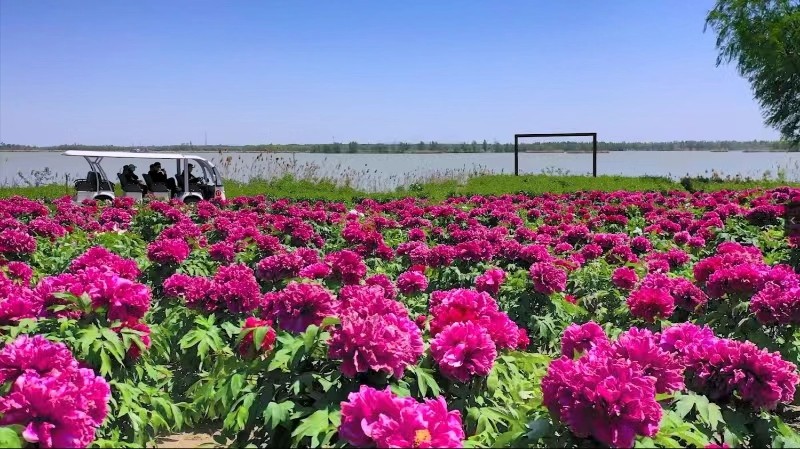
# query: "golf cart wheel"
192,199
103,198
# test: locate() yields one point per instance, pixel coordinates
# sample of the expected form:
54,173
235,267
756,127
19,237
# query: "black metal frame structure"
592,135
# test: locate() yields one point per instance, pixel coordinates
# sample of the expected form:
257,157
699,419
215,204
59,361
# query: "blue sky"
246,72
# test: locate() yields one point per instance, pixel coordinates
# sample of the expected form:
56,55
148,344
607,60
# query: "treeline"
436,147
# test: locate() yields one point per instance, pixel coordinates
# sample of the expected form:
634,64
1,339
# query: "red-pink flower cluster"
299,305
57,403
248,347
727,370
379,418
490,281
375,333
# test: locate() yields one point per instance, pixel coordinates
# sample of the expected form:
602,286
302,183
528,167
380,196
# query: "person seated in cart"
132,178
157,174
192,178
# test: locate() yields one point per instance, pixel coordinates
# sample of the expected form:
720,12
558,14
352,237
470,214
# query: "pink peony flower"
490,281
280,266
368,300
385,283
580,338
300,305
651,303
642,347
347,266
604,397
194,290
547,278
16,243
720,367
103,259
222,252
317,270
247,347
380,418
625,278
412,282
168,251
775,305
236,287
34,355
126,300
464,350
386,342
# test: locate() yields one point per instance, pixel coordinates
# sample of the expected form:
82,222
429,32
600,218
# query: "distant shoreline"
300,151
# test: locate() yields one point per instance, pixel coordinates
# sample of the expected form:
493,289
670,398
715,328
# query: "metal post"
516,155
594,155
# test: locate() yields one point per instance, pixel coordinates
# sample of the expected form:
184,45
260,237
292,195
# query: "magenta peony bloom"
775,305
642,347
300,305
168,251
103,259
366,409
427,425
412,282
547,278
126,300
720,367
317,270
385,283
16,243
651,303
462,305
580,338
741,280
222,252
194,290
57,403
18,302
677,338
464,350
347,266
247,347
236,287
603,397
368,300
625,278
386,342
280,266
34,355
490,281
379,418
47,408
687,295
19,272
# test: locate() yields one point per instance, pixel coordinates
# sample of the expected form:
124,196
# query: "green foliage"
763,38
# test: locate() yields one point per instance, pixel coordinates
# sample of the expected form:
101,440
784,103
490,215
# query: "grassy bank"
288,187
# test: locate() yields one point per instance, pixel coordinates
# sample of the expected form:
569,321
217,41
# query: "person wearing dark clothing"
132,178
157,174
192,178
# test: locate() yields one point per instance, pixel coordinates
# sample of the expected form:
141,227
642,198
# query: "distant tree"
763,38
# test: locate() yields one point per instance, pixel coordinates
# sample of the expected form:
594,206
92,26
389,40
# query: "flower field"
589,319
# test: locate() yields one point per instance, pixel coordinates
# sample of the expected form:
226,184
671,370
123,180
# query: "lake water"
387,171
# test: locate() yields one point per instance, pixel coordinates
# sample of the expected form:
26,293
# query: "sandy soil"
187,440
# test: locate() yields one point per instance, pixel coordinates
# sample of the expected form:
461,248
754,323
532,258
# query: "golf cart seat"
158,189
128,187
90,183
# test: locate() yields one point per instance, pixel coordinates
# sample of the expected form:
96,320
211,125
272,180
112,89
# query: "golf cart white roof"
131,155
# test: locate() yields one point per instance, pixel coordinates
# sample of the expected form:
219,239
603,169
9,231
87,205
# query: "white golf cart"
97,186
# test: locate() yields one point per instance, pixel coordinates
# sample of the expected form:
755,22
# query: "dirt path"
187,440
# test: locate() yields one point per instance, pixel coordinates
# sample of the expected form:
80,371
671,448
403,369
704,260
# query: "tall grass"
303,189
